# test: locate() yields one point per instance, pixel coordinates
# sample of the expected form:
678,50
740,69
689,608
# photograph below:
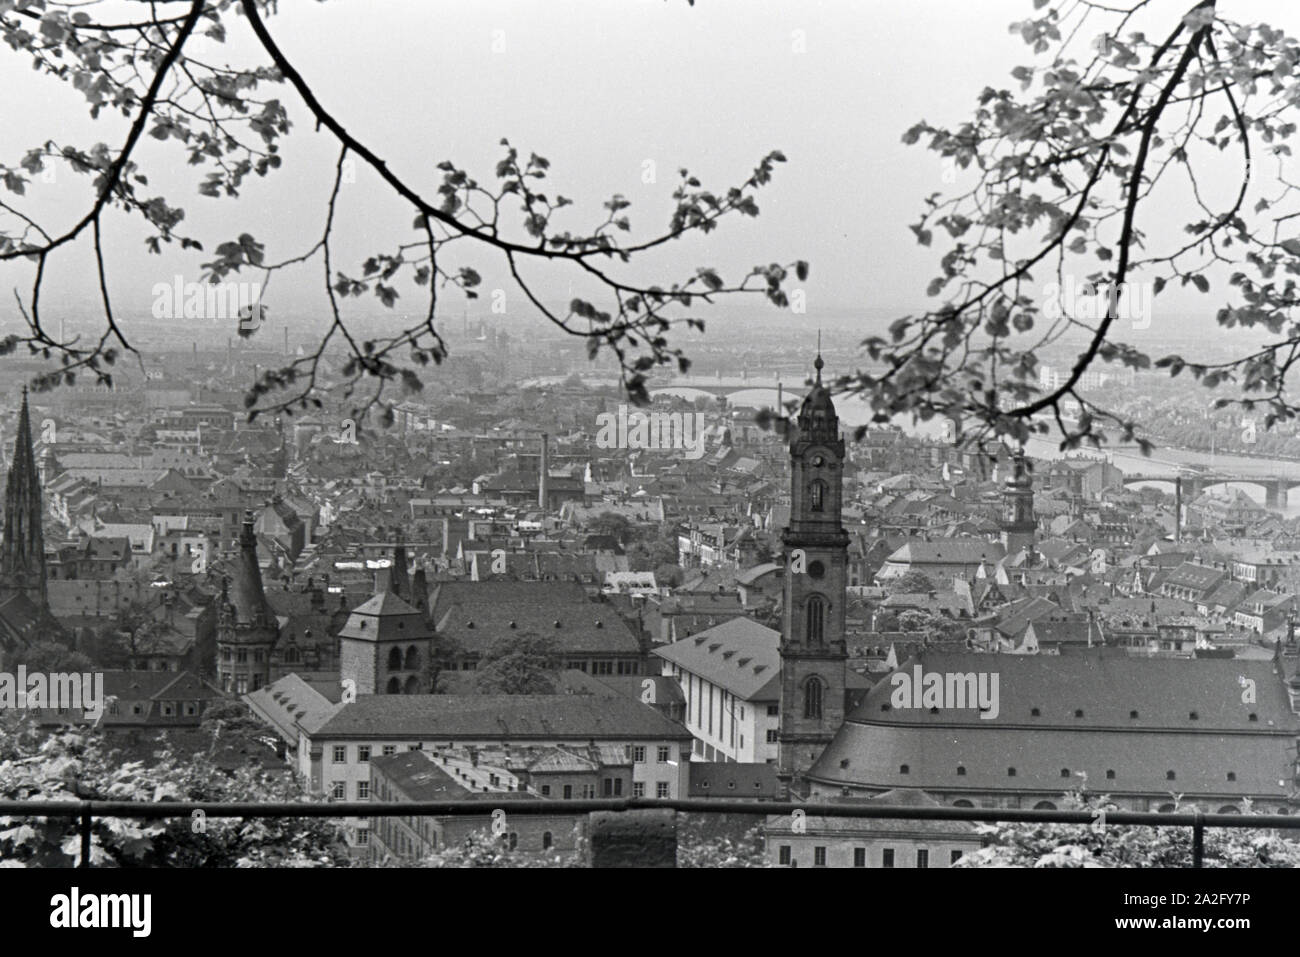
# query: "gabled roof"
290,704
475,613
739,655
1193,576
1096,713
500,717
948,552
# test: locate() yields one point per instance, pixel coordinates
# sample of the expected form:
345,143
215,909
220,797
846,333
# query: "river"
1128,459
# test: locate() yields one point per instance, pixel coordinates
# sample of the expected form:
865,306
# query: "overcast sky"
600,88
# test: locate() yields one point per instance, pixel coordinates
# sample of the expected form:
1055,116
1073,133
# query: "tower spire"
22,551
814,660
817,363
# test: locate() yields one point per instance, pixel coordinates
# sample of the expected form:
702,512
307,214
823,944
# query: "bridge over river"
755,391
1195,482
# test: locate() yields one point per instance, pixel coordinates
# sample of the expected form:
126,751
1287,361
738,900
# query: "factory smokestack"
544,474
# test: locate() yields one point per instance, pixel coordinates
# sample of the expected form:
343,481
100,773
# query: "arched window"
816,614
412,685
395,659
412,659
1044,806
394,686
812,698
817,495
962,803
546,840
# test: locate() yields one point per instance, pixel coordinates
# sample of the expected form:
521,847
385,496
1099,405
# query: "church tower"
1018,524
246,624
814,663
22,553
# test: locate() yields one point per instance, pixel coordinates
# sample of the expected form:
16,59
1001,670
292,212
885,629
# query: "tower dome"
817,417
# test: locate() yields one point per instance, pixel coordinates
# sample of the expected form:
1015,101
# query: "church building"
814,659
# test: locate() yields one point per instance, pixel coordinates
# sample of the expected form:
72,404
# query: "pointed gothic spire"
22,552
247,594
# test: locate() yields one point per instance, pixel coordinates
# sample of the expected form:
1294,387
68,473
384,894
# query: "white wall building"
731,677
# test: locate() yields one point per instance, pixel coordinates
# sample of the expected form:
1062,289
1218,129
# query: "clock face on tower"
817,461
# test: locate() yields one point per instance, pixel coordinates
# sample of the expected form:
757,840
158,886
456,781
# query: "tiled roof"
729,779
290,704
150,685
475,613
874,745
1199,577
910,797
415,774
739,655
507,717
385,617
948,552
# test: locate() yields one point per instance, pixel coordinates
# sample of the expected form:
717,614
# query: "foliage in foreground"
698,846
1115,845
76,764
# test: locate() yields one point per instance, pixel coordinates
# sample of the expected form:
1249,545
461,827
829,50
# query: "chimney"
544,474
399,582
420,589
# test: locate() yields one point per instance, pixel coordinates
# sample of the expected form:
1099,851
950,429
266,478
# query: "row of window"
613,787
168,709
339,753
662,754
239,684
398,662
1065,772
784,855
339,791
604,666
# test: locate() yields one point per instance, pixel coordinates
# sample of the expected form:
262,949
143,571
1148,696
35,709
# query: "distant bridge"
1275,487
742,390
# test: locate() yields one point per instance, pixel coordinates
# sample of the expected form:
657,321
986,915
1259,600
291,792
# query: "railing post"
1198,839
85,834
643,837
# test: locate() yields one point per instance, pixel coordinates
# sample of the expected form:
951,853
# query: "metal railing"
86,811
